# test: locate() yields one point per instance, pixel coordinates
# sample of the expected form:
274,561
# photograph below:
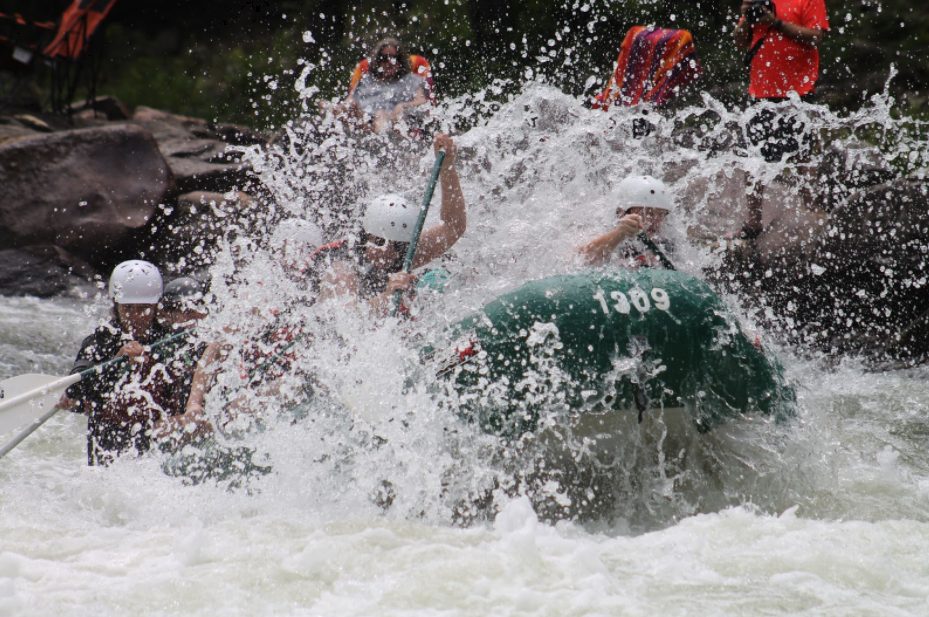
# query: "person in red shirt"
780,38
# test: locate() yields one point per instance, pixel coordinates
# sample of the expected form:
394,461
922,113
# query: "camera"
756,11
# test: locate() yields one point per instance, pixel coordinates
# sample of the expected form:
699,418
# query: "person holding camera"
780,39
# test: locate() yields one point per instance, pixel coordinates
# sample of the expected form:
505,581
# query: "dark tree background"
238,60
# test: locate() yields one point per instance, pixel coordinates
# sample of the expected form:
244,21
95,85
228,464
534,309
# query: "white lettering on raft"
637,298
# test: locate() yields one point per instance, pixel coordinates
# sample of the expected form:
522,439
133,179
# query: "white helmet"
135,282
644,192
297,234
391,217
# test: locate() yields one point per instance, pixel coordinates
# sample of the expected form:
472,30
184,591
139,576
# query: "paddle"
33,397
650,245
25,396
418,230
29,430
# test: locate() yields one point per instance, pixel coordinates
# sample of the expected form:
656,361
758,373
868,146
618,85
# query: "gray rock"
187,237
88,118
240,135
108,107
162,124
41,270
192,174
84,190
198,157
13,131
33,122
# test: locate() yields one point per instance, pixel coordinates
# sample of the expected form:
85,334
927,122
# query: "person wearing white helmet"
121,404
371,268
182,304
293,243
189,366
644,203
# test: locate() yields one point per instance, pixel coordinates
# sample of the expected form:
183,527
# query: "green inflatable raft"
631,341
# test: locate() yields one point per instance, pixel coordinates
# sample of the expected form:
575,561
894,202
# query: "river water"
826,514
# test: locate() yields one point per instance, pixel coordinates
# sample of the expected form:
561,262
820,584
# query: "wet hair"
403,58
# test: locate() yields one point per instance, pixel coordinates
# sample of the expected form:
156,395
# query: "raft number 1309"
636,298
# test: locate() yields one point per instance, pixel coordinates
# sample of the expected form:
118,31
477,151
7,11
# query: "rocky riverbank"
83,194
842,266
847,278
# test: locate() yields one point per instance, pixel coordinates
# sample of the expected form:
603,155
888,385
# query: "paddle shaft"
420,221
58,384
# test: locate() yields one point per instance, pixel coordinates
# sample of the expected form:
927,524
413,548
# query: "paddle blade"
23,399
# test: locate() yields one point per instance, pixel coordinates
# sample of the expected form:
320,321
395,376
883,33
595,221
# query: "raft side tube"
621,341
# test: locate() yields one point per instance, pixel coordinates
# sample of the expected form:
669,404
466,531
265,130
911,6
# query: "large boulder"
185,237
196,152
41,270
851,280
85,190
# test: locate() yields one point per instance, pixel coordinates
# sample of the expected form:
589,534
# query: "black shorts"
778,132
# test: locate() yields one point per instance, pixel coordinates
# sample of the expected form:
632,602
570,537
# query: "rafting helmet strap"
135,282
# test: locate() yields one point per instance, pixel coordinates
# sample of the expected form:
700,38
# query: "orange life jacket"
419,66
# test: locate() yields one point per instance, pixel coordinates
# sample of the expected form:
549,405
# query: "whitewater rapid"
827,514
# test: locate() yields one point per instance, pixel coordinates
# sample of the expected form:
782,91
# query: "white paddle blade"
23,399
